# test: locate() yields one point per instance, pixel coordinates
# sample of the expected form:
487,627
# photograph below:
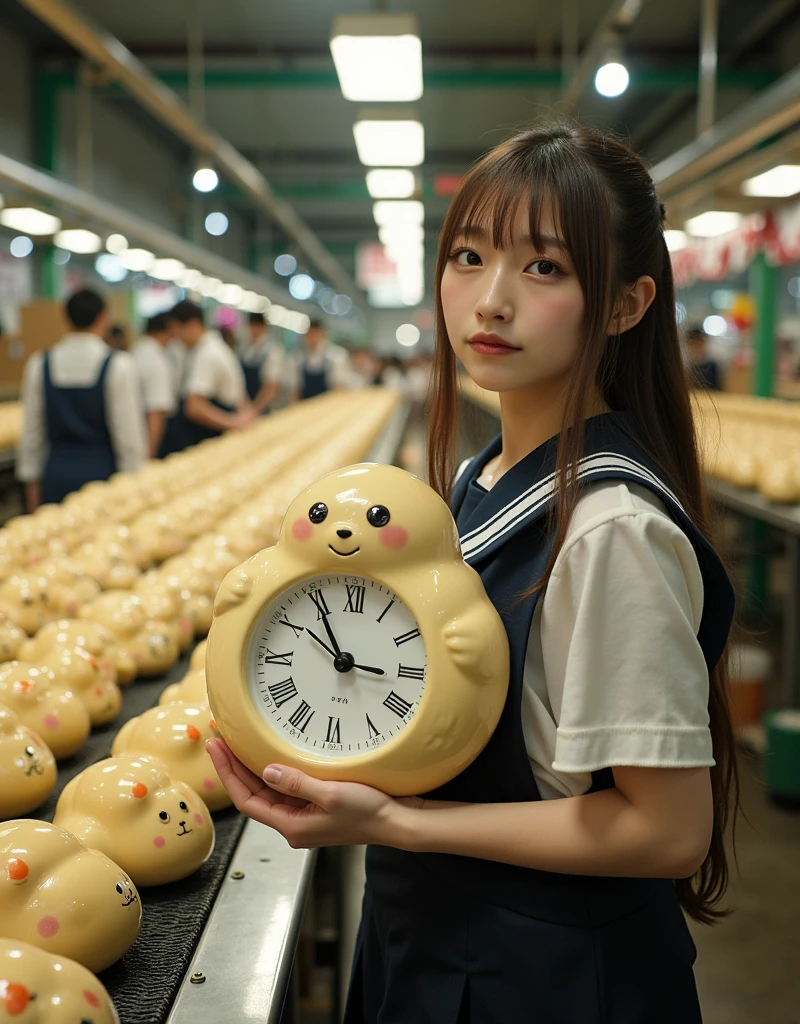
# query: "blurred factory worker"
703,369
262,361
212,396
155,377
317,366
82,410
548,880
117,337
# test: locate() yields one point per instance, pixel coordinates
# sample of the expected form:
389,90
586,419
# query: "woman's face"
527,298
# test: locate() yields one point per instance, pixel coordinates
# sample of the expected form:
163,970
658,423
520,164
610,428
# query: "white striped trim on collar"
531,500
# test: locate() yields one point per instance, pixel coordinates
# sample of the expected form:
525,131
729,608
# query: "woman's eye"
544,268
467,258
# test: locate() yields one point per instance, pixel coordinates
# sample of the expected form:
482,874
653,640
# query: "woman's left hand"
307,812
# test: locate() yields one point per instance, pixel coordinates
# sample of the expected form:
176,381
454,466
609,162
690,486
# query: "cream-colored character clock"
361,647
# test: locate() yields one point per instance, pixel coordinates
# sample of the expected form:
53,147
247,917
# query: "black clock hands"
369,668
320,642
331,637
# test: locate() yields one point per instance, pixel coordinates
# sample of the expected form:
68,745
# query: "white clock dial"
336,665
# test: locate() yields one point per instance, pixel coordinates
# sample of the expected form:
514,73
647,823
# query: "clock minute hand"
331,637
369,668
320,642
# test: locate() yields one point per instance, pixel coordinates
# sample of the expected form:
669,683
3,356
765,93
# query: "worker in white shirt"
212,397
156,378
82,411
317,366
262,364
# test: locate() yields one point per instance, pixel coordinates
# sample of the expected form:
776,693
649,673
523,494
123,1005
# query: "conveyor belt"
143,984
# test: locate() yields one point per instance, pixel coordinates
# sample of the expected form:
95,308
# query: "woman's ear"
632,305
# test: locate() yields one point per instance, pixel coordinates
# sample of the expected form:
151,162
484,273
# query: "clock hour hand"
321,642
331,637
369,668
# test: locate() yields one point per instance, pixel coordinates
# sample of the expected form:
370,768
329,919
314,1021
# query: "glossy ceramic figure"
215,554
91,636
108,564
155,827
176,734
150,645
11,640
30,601
64,898
156,534
163,604
69,575
198,658
361,647
38,988
58,715
75,669
27,767
191,689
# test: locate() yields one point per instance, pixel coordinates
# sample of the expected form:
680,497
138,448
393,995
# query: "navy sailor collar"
523,494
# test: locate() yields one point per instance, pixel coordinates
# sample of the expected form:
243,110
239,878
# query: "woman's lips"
491,347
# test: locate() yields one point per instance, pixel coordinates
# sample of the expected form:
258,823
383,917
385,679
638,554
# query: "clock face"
336,665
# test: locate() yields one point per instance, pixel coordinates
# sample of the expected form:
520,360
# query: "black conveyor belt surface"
144,983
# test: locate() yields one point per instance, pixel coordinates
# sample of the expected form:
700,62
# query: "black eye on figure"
120,888
30,751
163,815
378,515
183,806
318,513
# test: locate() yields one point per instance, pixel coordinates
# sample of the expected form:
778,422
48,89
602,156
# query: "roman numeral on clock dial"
371,728
278,659
406,672
302,716
396,703
333,734
412,634
355,599
281,692
319,600
285,622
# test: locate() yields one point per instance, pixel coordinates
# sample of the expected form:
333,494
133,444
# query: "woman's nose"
344,534
495,303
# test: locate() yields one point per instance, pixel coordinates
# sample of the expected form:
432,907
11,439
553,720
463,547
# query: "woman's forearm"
597,834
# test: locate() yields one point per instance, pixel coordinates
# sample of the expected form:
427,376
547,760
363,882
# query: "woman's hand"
309,813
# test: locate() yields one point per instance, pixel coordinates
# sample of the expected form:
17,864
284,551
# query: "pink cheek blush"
208,783
47,927
394,537
302,529
199,819
91,998
159,841
51,721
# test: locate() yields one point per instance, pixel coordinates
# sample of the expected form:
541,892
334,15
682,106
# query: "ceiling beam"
110,54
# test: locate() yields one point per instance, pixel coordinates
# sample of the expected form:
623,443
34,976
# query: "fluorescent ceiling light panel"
78,240
167,269
29,220
116,243
713,222
391,183
398,212
230,294
390,143
401,234
137,260
378,57
778,183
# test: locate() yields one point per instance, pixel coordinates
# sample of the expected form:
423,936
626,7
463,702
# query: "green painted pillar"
47,130
763,287
49,273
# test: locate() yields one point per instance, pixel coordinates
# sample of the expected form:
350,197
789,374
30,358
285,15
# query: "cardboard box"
42,324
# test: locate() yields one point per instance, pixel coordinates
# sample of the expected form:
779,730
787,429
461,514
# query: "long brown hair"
611,222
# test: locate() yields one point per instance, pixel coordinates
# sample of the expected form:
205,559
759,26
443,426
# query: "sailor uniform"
156,376
211,370
446,939
82,416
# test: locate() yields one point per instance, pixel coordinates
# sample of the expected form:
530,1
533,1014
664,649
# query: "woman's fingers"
298,786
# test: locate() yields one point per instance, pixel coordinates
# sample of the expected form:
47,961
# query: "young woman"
546,882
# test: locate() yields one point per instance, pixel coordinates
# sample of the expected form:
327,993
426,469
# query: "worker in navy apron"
82,412
262,364
448,939
317,366
212,396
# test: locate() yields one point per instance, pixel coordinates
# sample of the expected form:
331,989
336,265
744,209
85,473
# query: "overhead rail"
619,16
98,212
109,53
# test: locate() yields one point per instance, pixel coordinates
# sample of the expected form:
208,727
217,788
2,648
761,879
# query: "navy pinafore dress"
314,382
252,377
458,940
80,448
180,432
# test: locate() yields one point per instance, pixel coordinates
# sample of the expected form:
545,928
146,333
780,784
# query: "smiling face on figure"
38,988
27,767
64,898
58,715
130,807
